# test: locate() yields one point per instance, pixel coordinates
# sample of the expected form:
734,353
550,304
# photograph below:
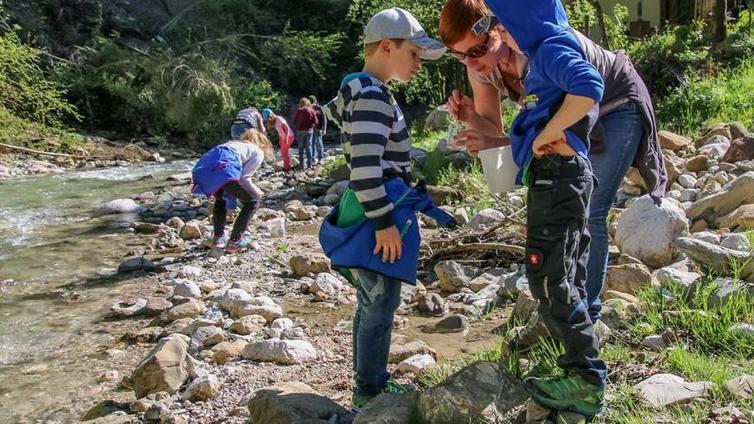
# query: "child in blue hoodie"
385,237
549,139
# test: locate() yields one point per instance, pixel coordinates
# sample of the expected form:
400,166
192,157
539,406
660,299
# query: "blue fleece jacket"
557,67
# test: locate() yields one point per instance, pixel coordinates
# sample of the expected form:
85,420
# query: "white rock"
118,206
280,351
203,388
282,324
736,241
648,232
416,363
670,275
188,271
326,283
187,288
128,309
663,390
485,219
707,236
687,180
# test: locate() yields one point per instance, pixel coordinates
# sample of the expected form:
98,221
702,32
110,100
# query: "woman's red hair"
458,16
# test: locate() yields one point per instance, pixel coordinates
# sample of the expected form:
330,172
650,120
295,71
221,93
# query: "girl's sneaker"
238,245
217,246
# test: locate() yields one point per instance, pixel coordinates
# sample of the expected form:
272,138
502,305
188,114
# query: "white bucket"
499,169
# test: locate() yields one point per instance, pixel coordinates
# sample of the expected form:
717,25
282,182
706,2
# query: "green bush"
706,101
26,90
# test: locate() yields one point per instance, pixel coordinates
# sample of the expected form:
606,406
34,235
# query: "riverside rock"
202,388
662,390
118,206
163,369
302,265
291,402
463,397
287,352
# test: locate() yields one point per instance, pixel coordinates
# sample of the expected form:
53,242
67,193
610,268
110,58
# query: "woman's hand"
461,107
474,141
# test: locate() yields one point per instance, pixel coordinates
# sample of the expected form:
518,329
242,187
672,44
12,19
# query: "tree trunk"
719,19
601,23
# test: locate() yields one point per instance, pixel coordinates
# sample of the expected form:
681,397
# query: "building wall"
651,10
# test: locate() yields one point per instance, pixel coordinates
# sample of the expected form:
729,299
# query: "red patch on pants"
535,259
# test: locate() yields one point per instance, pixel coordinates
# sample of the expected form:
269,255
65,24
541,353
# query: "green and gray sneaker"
572,393
358,401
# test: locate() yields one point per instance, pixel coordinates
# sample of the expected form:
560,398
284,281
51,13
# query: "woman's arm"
488,119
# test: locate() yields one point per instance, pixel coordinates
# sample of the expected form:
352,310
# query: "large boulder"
291,402
163,369
388,408
467,395
648,232
710,255
732,195
287,352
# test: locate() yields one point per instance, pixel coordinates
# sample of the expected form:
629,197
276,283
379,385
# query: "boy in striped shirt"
376,146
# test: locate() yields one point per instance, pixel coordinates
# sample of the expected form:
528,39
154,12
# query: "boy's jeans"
319,146
557,250
378,297
304,141
623,133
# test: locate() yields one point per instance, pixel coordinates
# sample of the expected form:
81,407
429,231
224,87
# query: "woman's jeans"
319,146
623,132
378,298
304,142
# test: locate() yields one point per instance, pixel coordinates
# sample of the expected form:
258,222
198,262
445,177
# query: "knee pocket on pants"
547,260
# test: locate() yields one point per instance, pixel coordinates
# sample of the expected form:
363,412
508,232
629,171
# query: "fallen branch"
476,247
60,155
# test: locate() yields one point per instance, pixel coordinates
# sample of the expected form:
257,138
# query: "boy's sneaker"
238,245
573,393
398,388
358,401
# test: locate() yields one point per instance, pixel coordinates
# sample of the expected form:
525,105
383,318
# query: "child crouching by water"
225,172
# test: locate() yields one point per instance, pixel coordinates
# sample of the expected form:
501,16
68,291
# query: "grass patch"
705,101
702,323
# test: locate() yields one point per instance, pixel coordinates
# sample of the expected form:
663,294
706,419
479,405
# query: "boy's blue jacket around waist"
557,67
216,168
352,247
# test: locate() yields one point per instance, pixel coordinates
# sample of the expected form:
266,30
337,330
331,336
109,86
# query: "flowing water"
53,247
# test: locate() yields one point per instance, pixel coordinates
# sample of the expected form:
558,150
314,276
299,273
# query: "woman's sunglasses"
482,26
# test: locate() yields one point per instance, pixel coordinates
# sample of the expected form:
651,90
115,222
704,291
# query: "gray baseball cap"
399,23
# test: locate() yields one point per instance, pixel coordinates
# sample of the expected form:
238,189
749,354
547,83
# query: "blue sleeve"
565,66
